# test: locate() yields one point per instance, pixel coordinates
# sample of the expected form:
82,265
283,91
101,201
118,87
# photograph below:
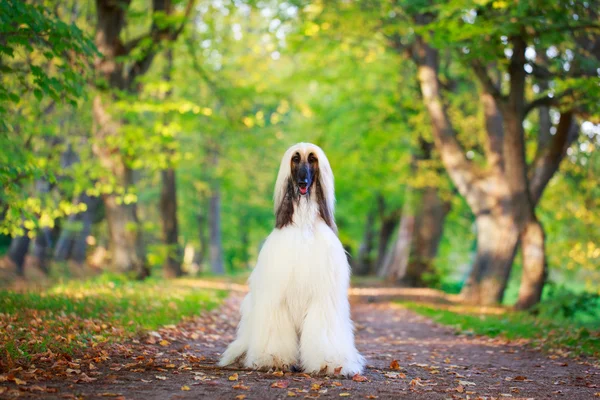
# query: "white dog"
297,308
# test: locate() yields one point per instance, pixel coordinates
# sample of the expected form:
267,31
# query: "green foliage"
41,54
566,303
44,63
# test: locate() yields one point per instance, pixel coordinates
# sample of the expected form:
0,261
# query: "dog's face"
305,170
304,174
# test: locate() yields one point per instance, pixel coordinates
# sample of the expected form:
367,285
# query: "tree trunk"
386,230
497,237
363,260
534,265
41,249
429,225
244,243
203,249
396,260
17,252
168,213
125,236
72,242
216,245
168,200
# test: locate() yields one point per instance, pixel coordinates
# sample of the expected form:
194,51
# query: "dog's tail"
240,345
233,353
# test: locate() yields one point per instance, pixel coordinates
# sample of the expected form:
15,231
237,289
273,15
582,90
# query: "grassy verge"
72,316
562,335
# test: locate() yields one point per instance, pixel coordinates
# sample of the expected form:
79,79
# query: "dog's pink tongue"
303,190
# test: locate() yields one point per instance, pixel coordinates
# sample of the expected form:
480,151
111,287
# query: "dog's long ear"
324,210
283,197
284,211
324,189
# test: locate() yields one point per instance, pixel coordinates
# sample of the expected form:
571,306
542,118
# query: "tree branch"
488,84
545,101
547,160
158,36
464,174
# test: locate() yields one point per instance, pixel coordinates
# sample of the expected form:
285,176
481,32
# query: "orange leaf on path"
185,388
233,377
241,386
280,384
359,378
395,365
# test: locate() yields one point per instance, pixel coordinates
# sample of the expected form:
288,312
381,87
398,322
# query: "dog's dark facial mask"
303,173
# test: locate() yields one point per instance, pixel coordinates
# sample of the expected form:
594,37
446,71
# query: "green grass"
75,315
568,336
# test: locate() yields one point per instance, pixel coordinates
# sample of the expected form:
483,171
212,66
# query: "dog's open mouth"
303,188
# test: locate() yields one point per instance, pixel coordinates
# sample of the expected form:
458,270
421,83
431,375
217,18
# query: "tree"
126,243
504,194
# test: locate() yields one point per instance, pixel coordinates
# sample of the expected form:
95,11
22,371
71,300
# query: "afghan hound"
296,314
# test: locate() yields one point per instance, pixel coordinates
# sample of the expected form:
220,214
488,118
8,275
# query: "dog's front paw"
331,366
267,363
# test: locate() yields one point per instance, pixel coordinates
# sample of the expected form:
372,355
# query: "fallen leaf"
280,384
162,378
109,394
359,378
84,378
291,394
345,394
460,389
519,378
241,386
278,373
395,365
185,388
394,375
146,381
233,377
336,383
315,386
466,383
240,396
20,381
371,396
164,343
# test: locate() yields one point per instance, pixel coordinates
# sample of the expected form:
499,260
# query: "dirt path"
434,362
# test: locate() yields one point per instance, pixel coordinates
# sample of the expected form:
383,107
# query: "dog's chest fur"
303,262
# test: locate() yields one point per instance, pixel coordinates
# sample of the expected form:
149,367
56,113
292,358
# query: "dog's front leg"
274,341
327,340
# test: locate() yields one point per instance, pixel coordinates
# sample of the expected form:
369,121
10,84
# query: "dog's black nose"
303,181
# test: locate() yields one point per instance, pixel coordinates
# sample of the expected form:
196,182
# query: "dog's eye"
296,158
312,158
